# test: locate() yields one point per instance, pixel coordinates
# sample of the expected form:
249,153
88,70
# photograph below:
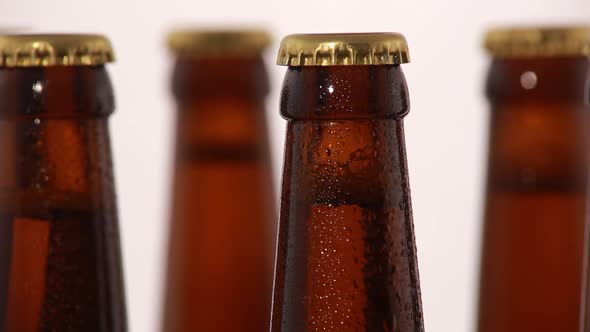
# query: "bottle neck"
54,138
539,80
345,209
344,93
540,124
56,92
221,109
347,129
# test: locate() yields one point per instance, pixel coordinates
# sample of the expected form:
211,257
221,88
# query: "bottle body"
346,255
221,241
60,257
537,197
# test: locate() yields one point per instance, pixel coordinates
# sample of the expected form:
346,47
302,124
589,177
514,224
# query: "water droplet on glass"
38,87
528,80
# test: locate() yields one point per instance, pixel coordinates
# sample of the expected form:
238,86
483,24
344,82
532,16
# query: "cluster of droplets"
334,96
33,136
361,252
327,174
341,174
336,264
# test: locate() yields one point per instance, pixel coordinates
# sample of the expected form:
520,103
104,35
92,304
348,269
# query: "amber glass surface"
60,263
346,254
536,199
222,237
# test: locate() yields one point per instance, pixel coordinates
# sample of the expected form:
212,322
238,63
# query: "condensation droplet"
528,80
38,87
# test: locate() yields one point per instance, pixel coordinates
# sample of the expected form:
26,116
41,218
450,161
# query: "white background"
445,130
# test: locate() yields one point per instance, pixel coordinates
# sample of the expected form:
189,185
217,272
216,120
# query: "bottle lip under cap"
541,41
218,42
342,49
44,50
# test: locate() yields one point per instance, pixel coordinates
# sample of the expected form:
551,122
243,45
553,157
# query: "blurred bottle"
222,230
60,261
537,197
346,255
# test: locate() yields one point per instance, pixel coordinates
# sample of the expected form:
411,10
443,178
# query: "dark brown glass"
222,237
60,261
537,197
346,254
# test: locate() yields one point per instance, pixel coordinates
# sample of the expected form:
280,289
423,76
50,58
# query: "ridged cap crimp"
54,50
343,49
539,41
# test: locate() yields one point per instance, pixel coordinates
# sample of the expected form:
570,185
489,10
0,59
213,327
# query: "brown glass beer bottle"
222,230
537,198
60,261
346,256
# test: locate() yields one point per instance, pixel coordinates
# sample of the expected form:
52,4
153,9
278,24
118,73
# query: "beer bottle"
537,198
60,261
222,230
346,257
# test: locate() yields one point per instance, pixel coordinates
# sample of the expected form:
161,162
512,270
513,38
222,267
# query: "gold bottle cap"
539,41
218,42
343,49
54,50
